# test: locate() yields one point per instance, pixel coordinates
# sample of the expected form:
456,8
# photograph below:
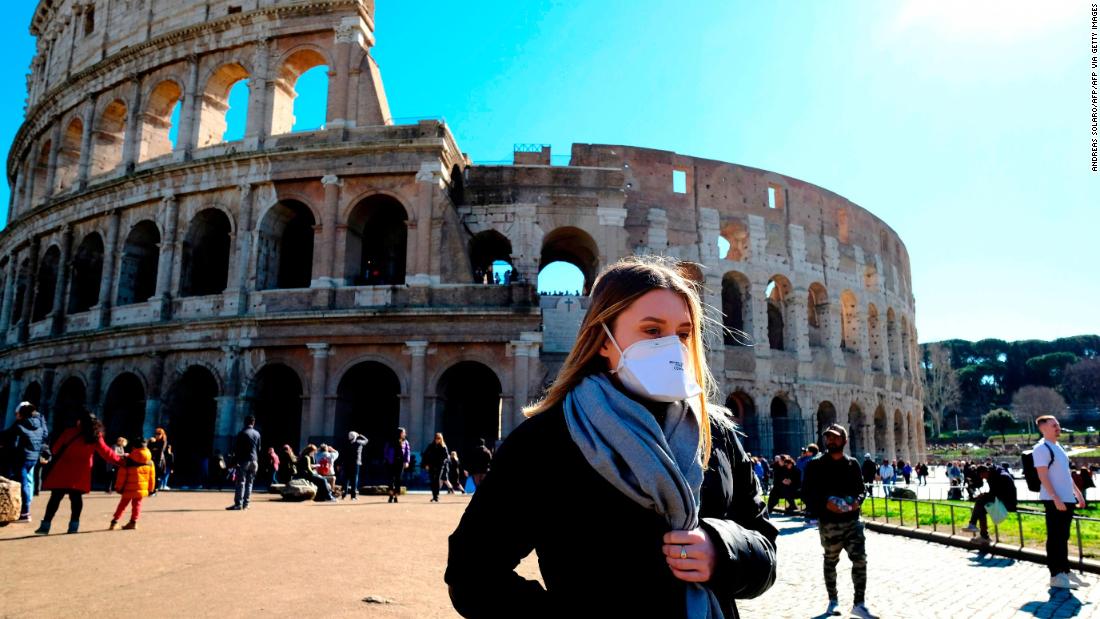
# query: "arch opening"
68,156
224,110
160,121
368,401
87,273
275,398
874,338
744,412
124,408
817,315
787,426
301,93
108,138
191,407
377,235
72,399
880,431
205,261
849,322
46,284
857,432
491,258
736,298
573,246
137,275
285,252
468,407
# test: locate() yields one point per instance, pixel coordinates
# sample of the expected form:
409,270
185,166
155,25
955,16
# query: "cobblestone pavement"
190,558
912,578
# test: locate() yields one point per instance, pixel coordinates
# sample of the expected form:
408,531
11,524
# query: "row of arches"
153,118
787,430
467,408
782,316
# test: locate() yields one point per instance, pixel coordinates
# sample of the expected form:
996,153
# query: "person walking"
70,469
663,517
1001,487
352,463
1060,497
922,474
478,462
246,459
434,459
136,478
272,463
834,490
870,472
112,471
906,471
160,450
788,482
886,476
396,456
25,438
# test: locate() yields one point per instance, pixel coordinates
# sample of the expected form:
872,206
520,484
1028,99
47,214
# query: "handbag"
997,511
48,467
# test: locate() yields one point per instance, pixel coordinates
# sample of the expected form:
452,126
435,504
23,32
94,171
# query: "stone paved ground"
190,558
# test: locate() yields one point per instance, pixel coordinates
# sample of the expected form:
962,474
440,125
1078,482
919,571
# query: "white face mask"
656,369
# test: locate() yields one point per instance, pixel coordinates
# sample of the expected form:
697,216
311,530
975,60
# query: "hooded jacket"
73,469
136,475
26,437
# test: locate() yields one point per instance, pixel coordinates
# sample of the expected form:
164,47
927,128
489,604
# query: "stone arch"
33,393
68,155
788,433
468,406
23,283
275,397
377,237
781,328
487,248
736,309
874,339
825,417
124,408
215,102
46,283
87,273
574,246
737,235
284,253
156,122
744,413
191,408
295,63
137,273
849,321
107,138
41,174
70,402
206,248
817,315
368,401
857,432
880,432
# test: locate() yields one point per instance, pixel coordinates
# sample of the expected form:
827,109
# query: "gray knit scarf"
658,468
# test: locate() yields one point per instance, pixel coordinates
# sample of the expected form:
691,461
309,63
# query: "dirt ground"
191,558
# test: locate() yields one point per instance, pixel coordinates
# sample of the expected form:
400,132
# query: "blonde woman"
662,516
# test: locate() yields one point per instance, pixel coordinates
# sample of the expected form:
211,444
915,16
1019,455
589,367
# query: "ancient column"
324,270
106,282
28,296
521,380
130,141
57,315
227,402
154,397
167,259
189,113
9,295
419,429
51,170
239,293
419,251
95,387
318,388
86,143
256,124
346,33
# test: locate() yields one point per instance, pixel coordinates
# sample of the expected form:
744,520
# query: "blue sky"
963,125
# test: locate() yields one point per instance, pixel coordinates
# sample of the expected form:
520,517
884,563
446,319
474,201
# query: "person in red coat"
71,469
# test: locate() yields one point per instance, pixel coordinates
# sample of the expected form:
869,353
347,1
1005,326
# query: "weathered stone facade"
325,280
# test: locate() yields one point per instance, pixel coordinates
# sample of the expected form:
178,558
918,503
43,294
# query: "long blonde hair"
615,289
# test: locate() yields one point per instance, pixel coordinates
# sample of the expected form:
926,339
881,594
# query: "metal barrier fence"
1010,532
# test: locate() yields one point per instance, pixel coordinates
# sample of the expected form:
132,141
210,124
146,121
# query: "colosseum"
337,278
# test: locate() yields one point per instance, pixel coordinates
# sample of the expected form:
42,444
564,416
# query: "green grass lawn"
940,517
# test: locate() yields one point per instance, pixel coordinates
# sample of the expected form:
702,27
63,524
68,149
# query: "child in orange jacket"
136,479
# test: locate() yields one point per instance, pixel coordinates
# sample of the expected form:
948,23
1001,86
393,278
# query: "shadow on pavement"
1062,603
983,559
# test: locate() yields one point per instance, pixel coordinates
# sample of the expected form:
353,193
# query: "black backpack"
1031,475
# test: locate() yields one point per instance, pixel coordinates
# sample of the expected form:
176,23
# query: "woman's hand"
698,550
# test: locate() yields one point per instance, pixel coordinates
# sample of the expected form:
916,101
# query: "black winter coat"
599,552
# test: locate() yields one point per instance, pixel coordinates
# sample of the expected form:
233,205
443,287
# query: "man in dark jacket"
1001,486
834,492
870,470
25,438
352,461
246,457
478,462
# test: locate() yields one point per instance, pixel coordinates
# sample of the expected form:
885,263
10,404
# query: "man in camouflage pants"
833,490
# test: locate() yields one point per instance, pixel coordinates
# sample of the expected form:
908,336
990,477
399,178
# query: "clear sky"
964,126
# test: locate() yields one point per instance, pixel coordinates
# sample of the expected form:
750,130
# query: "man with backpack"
1059,496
